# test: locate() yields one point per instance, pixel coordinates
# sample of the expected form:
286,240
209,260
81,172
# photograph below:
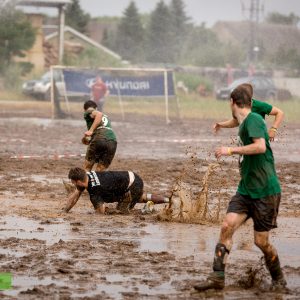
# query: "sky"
208,11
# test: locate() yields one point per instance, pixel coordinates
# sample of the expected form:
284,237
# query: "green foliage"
130,36
12,77
192,81
289,58
160,35
180,27
278,18
16,35
91,58
234,55
76,17
203,48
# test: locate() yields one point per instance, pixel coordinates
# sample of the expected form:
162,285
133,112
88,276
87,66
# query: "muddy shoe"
214,281
279,285
148,208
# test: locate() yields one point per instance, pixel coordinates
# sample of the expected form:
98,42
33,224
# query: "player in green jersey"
261,108
258,194
100,138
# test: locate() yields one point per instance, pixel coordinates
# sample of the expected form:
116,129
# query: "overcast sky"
208,11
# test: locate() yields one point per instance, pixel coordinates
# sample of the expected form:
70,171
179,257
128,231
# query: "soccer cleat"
148,208
214,281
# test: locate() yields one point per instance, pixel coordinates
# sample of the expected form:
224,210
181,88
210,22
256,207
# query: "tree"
16,35
288,58
159,48
278,18
180,27
130,35
203,48
76,17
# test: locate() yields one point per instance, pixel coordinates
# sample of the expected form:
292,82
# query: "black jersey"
108,186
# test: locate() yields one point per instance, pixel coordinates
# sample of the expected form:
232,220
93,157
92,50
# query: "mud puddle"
180,239
172,253
24,228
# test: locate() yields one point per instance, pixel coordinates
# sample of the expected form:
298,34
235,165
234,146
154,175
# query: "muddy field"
54,255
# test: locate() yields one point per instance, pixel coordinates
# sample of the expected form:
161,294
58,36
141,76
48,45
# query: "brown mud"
81,255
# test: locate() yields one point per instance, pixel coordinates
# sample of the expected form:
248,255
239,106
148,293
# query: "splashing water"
187,207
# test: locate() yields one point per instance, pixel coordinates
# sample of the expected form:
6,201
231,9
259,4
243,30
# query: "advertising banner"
141,84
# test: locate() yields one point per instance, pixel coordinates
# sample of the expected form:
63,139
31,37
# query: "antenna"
255,11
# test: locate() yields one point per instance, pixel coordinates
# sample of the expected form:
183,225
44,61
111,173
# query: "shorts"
136,191
101,151
263,211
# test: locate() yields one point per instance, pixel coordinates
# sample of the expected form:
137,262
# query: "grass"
191,106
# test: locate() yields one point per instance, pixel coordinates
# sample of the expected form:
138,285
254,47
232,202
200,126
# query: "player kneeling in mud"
123,187
258,194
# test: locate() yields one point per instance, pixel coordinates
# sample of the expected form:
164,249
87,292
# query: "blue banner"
150,85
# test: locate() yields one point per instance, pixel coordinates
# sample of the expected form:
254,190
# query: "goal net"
131,90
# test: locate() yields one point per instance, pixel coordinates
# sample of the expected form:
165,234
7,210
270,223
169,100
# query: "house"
44,52
75,42
269,36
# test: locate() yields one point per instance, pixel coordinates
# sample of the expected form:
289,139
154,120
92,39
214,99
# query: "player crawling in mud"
123,187
258,194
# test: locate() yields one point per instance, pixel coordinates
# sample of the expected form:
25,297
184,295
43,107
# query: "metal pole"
61,30
52,92
166,96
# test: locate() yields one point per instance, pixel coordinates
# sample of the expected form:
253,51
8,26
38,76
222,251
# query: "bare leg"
156,199
88,166
100,168
230,224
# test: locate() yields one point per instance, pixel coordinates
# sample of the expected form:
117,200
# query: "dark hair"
89,104
77,174
242,95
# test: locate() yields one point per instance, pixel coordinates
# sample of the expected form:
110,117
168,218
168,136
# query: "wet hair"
242,95
89,104
77,174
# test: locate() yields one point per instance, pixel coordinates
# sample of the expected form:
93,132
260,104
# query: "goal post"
122,83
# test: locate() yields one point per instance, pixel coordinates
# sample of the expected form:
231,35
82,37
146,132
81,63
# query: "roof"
271,36
84,38
45,3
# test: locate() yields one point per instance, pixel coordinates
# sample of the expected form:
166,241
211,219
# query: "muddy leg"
100,168
88,166
271,258
216,280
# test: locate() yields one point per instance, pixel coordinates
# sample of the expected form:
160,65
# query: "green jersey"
104,130
258,175
261,108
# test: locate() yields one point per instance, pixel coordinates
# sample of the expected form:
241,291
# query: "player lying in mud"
123,187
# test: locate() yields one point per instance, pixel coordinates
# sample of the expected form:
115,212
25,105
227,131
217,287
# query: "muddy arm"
72,200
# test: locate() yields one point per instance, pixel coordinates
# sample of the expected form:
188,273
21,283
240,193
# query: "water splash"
187,207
